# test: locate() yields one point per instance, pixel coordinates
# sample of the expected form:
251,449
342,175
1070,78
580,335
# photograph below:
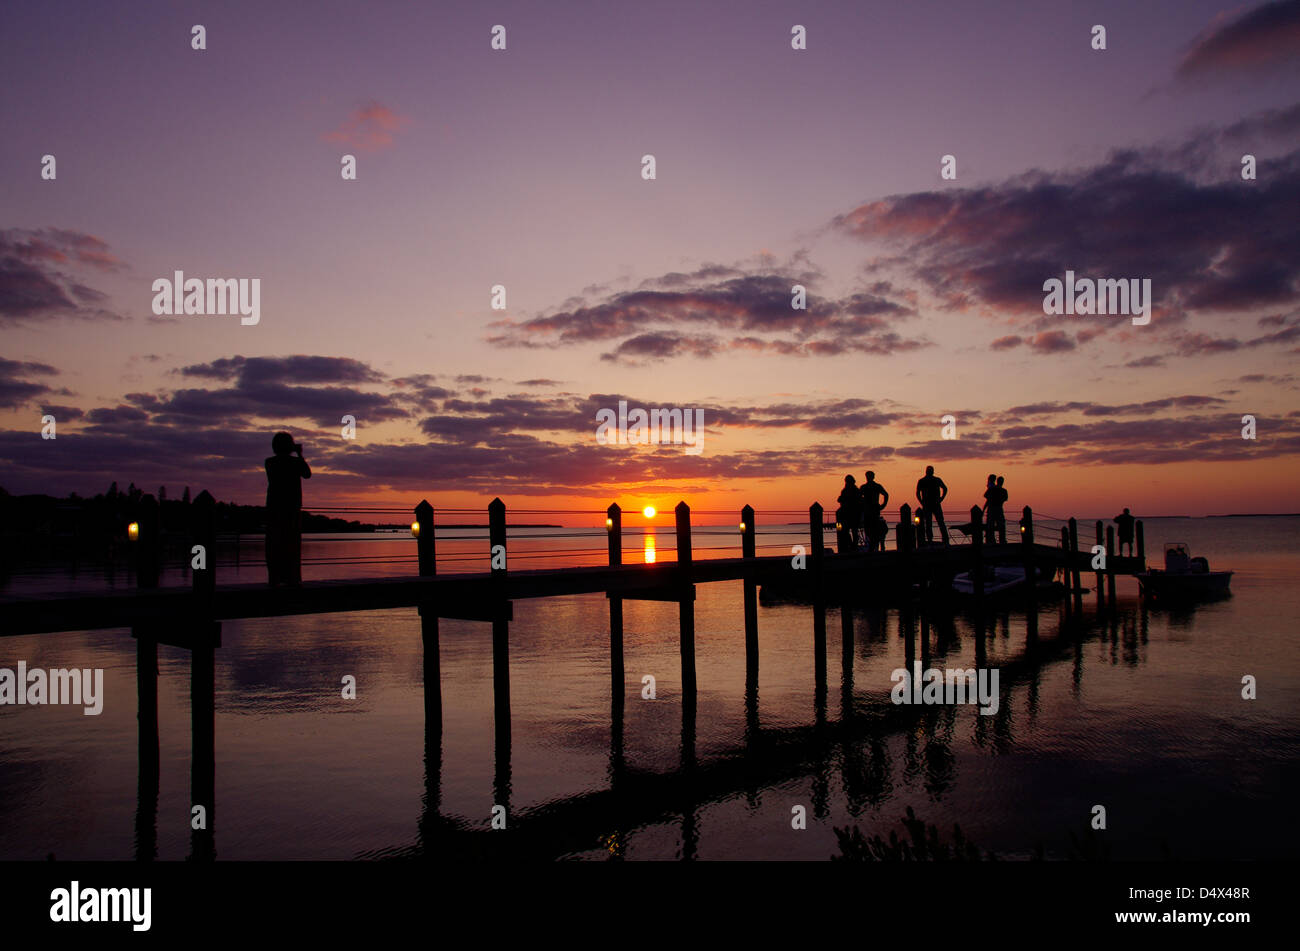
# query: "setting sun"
648,511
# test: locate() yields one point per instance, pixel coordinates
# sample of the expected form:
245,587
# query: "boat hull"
1167,586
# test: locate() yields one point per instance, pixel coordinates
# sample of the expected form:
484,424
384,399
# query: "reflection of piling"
426,552
146,677
686,604
977,554
748,550
203,679
614,525
1141,543
147,558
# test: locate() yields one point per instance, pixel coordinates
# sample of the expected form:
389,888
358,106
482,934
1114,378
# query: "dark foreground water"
1141,714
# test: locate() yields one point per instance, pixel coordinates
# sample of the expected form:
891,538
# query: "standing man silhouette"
930,492
284,474
1125,522
874,499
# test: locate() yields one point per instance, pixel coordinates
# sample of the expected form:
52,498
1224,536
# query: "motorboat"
1001,580
1183,578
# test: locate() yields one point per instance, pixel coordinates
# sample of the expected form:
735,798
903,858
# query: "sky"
774,166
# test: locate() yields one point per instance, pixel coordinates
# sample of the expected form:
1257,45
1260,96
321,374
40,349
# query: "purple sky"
522,168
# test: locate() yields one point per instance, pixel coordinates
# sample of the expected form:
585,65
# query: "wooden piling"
500,648
427,559
1110,568
686,605
614,526
1101,541
817,565
148,544
749,550
817,543
905,534
1065,563
1141,544
1073,556
1027,553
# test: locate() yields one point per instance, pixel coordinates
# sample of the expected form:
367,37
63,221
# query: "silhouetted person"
850,513
284,474
990,496
874,500
1125,522
1001,513
930,492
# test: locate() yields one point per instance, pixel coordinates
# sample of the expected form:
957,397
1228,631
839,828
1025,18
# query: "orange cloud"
370,128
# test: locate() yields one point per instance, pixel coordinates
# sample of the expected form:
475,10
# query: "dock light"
609,524
648,511
916,520
415,529
839,527
1022,529
133,531
742,526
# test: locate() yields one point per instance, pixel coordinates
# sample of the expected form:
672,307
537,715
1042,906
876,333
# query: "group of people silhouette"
863,526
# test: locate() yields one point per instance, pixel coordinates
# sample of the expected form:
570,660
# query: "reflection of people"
874,499
284,474
1125,522
930,492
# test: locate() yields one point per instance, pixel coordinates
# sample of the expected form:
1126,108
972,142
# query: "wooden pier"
191,617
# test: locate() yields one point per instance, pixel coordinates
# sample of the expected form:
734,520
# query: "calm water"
1143,716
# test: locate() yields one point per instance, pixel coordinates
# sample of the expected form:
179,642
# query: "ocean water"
1139,711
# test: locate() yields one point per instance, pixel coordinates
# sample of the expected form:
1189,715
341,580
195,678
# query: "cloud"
15,392
1152,360
1255,41
1051,341
34,283
370,128
299,368
1209,247
535,445
716,310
